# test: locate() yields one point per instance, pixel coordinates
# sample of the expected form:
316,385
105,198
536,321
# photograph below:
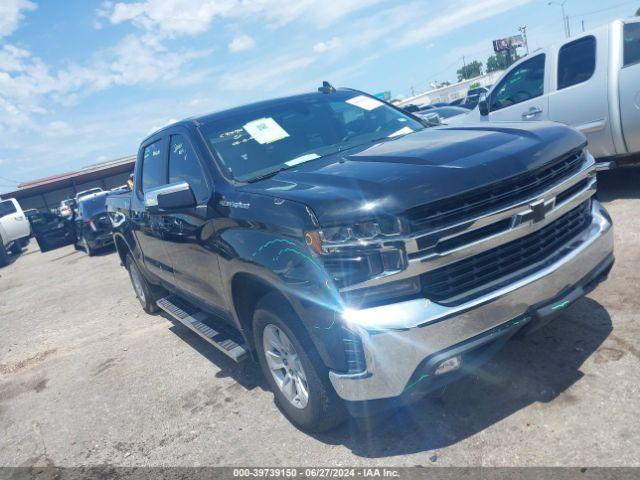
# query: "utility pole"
565,19
523,30
582,26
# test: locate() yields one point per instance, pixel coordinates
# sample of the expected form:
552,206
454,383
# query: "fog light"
449,365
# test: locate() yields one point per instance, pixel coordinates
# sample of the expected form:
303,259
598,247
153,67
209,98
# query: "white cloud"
241,43
254,75
322,47
58,128
169,18
11,14
455,16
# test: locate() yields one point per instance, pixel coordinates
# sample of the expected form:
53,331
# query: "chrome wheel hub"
137,284
285,366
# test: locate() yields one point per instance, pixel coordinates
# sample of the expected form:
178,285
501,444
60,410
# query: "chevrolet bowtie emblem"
537,211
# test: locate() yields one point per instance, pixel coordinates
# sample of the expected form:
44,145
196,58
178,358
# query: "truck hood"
394,175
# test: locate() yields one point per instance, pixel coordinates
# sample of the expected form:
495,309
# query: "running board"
199,322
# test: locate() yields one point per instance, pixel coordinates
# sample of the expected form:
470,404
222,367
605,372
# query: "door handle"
532,112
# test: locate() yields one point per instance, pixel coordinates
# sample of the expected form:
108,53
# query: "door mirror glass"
483,105
176,196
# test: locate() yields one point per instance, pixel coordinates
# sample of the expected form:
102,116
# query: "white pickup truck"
14,229
590,82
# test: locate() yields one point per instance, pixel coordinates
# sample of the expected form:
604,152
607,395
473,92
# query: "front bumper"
396,358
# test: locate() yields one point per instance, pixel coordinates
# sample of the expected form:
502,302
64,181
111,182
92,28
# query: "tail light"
92,225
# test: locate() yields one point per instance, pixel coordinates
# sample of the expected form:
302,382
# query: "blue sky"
84,81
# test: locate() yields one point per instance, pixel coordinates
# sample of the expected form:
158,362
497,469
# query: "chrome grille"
491,198
487,270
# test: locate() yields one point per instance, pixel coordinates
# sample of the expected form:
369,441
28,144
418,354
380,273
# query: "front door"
149,225
189,233
520,95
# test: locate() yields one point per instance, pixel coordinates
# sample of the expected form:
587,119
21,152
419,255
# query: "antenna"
326,88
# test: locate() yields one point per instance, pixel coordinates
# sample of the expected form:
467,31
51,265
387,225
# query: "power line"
604,9
9,180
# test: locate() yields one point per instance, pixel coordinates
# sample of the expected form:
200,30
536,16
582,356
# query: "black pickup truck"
362,259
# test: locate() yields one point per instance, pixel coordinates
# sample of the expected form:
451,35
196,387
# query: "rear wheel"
4,256
16,247
146,293
296,374
87,248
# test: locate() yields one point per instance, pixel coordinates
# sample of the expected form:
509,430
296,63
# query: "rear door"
579,91
630,87
522,92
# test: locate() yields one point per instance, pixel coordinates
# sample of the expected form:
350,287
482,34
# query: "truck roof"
197,120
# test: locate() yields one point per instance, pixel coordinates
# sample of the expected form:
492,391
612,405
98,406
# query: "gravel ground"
87,378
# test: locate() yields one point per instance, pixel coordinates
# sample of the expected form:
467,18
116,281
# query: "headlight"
359,233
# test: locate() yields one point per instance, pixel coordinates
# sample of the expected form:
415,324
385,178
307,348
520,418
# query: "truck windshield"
255,142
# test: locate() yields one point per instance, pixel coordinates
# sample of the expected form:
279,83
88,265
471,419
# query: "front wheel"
298,378
146,293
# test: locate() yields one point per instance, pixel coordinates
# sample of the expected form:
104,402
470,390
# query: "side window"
184,167
7,208
523,83
576,62
152,166
631,43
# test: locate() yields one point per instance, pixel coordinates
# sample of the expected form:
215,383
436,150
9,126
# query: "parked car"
448,113
473,97
67,207
52,231
411,108
84,193
92,225
14,229
362,259
590,82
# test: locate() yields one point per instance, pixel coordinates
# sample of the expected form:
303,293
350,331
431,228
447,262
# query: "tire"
87,248
16,248
4,256
24,241
44,247
323,410
146,293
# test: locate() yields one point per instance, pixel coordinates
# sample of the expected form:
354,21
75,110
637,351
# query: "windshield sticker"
402,131
301,159
364,102
265,130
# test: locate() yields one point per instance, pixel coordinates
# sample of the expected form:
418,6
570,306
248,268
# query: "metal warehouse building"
47,193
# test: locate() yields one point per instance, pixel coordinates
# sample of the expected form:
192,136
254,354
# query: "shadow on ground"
537,368
619,184
247,373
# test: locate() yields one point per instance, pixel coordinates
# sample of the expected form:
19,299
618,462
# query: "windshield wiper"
268,174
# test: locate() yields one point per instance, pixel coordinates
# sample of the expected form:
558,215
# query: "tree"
638,12
496,62
470,70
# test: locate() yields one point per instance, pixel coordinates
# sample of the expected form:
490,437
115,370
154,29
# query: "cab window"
631,43
153,170
184,167
576,62
524,82
7,207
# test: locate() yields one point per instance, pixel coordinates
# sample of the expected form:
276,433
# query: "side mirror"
483,104
175,196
